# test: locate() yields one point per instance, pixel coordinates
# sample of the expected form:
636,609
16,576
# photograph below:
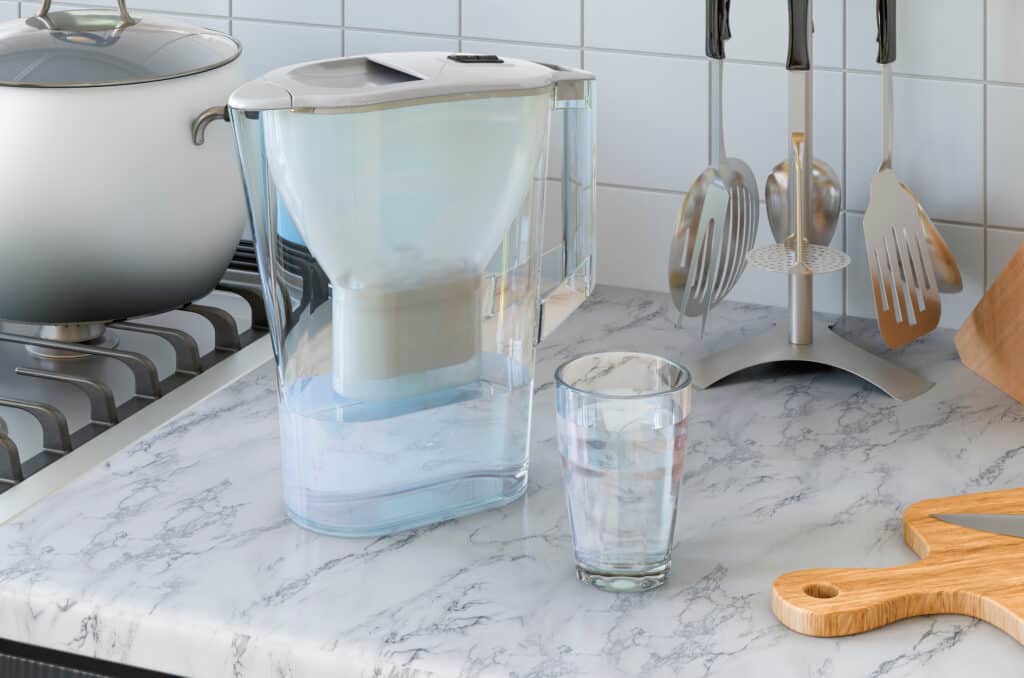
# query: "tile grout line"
583,28
342,27
843,178
984,148
414,34
950,222
627,187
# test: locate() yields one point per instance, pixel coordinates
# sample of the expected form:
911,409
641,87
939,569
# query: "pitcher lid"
99,47
394,79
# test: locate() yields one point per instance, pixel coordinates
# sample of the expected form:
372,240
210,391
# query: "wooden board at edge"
961,571
991,342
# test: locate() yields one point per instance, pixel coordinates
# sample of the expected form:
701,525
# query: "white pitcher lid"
402,78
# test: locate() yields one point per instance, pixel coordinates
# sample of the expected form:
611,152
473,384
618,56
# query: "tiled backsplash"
959,106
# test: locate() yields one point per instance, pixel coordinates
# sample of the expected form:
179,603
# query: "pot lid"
96,47
397,79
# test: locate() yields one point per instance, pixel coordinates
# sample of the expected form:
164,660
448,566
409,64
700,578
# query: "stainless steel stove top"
59,416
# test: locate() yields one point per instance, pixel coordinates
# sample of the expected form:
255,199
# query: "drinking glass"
622,438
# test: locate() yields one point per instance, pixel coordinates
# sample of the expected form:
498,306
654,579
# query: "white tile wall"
942,38
415,16
959,106
369,42
939,146
1005,47
1005,156
547,21
307,11
1001,247
653,119
645,26
267,45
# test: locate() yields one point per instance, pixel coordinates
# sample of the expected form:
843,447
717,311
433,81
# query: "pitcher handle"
570,267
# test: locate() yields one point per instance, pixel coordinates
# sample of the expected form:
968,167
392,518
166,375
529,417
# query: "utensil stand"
809,341
801,260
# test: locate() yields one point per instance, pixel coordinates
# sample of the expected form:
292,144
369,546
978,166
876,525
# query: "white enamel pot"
108,207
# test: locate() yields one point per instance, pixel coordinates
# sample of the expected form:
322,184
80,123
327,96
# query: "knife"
1006,524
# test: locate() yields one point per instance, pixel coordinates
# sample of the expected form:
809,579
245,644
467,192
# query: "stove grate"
242,279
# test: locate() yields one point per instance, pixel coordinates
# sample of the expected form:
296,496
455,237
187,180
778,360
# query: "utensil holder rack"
796,342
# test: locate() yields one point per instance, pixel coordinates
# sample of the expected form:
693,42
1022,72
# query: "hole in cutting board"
821,590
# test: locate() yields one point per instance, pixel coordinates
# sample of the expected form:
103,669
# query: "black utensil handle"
799,50
717,28
886,31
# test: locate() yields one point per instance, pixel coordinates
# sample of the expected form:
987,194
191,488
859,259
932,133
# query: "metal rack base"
828,349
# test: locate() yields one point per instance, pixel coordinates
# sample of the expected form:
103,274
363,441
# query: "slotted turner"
703,269
903,278
705,266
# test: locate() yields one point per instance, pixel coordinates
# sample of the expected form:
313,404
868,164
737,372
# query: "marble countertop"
176,555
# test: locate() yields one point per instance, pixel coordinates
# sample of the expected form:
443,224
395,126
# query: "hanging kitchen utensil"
710,282
803,339
903,279
706,254
962,571
826,203
796,255
990,341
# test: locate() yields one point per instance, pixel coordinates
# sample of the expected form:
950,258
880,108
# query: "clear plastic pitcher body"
401,251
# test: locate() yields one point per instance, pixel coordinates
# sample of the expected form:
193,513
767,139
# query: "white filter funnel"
403,207
399,197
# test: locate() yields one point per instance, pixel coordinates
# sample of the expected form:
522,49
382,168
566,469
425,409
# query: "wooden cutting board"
961,571
991,342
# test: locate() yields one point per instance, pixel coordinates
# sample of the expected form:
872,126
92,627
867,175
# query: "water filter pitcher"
397,203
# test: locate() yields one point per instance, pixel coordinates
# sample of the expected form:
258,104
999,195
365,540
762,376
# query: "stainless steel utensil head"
1005,524
826,202
946,269
902,272
743,219
692,268
689,254
779,258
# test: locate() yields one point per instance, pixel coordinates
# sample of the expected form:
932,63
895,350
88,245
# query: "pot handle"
203,121
126,18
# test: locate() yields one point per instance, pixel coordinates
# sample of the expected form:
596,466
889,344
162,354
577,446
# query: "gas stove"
72,396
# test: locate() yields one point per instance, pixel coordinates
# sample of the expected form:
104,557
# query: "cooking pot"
115,198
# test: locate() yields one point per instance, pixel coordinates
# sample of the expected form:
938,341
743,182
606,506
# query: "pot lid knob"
126,18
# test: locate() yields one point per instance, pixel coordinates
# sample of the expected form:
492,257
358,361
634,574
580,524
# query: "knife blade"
1006,524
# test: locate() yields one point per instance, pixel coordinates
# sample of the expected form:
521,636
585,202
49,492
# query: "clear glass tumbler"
622,438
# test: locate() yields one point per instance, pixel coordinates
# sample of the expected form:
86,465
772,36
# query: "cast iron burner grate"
241,279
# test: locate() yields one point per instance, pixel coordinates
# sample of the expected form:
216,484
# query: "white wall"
959,106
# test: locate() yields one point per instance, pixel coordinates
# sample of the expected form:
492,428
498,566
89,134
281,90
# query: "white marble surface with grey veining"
176,555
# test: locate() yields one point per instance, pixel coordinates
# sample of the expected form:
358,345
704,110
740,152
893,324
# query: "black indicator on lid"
477,58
